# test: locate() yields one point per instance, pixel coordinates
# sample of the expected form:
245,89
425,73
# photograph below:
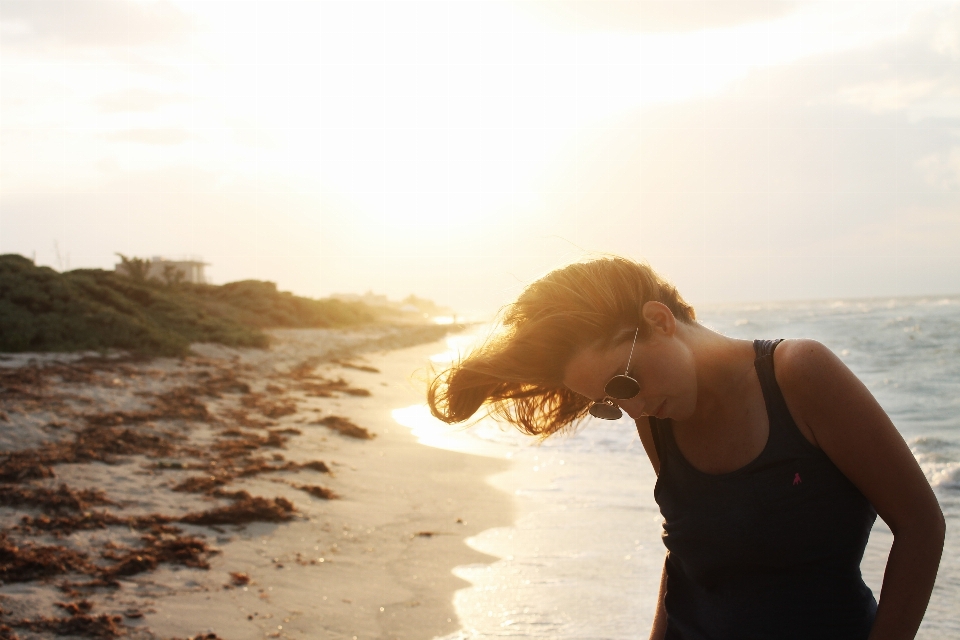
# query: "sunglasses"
621,387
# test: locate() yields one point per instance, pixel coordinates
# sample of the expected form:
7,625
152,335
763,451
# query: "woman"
772,459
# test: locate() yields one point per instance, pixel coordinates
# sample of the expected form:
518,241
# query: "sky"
749,150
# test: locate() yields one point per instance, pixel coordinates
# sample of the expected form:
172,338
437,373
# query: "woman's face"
662,364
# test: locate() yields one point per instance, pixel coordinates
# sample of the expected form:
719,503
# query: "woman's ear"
659,317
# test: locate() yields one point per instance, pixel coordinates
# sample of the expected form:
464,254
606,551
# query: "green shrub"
91,309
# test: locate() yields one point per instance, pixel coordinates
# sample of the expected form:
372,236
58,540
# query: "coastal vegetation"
91,309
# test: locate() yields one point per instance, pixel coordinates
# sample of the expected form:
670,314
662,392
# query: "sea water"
583,559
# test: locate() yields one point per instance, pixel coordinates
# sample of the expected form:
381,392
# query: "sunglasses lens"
622,387
605,411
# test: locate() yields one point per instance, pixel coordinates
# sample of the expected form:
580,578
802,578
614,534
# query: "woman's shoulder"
803,361
854,431
805,369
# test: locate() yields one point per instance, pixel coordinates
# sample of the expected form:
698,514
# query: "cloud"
941,169
90,23
930,96
915,75
655,15
150,136
835,176
136,100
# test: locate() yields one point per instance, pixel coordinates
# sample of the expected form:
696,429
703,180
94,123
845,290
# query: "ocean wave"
947,477
929,444
940,474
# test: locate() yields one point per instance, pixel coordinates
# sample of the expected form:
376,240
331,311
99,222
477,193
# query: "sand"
360,546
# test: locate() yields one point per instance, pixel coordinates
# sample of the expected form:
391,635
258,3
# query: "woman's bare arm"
853,430
659,628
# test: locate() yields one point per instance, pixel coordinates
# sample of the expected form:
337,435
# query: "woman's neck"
724,368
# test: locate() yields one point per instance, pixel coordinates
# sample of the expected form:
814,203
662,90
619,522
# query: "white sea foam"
942,475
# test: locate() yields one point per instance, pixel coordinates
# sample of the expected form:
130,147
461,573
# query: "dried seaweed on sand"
323,388
181,403
241,443
222,475
358,367
101,626
165,548
270,407
317,386
76,608
95,443
61,526
315,465
245,509
223,381
243,418
63,499
27,561
203,484
18,466
317,491
346,427
239,578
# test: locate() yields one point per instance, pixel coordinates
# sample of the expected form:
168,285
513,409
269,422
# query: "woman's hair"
518,371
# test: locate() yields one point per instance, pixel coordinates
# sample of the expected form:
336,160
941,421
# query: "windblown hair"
518,372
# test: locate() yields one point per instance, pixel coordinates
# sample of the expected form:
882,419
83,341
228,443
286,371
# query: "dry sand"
373,562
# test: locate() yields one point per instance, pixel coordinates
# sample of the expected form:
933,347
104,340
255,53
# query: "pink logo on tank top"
796,479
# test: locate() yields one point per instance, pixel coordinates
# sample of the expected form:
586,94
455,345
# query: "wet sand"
240,493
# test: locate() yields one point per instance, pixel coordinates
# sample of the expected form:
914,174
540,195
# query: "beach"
482,534
243,493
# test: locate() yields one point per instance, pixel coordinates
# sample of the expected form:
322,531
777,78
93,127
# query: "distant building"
159,268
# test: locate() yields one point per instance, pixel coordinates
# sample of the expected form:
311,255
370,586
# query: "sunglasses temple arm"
632,347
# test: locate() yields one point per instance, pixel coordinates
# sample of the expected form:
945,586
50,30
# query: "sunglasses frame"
607,408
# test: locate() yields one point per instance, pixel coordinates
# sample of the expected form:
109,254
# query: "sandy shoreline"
156,456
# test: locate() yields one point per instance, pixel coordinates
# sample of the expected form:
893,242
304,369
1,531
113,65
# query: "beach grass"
91,309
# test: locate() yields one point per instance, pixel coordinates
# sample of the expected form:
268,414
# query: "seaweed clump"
95,443
60,500
166,548
346,427
359,367
226,474
28,561
317,491
245,509
65,525
101,626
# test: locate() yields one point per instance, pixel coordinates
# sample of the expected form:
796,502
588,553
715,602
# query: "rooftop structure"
170,271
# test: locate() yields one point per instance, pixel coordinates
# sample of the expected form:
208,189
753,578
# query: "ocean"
583,558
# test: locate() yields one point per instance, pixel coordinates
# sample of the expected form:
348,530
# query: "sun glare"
390,131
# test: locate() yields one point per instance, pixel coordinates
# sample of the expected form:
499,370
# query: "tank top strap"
784,433
655,432
783,429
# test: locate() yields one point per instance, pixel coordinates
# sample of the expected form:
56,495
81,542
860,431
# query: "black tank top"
771,550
